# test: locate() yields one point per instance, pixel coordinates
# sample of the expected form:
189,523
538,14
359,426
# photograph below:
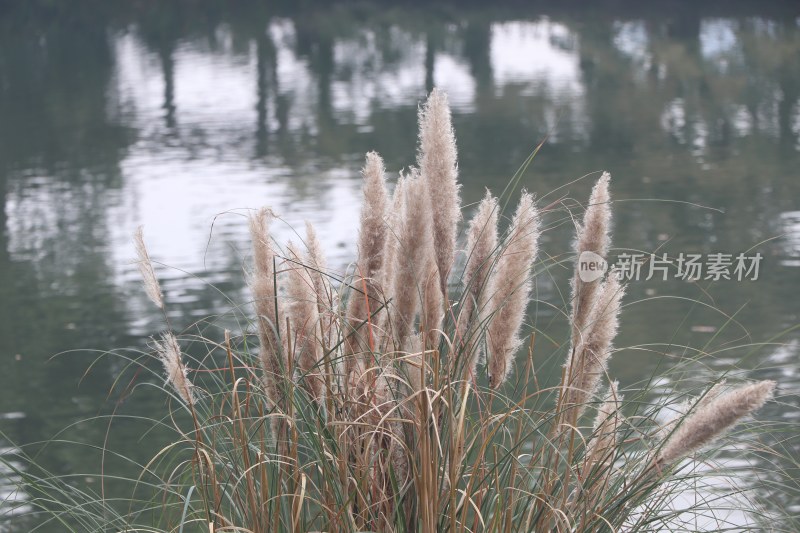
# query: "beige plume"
600,449
478,286
271,351
592,236
151,285
590,357
170,354
511,289
394,220
365,297
371,236
327,298
414,241
304,319
711,419
437,161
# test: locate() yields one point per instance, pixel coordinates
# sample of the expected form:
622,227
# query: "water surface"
184,117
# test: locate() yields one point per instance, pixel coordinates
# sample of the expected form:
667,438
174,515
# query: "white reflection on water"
453,75
364,79
718,42
673,119
631,38
790,226
713,502
12,500
295,80
541,58
177,202
214,89
181,172
533,54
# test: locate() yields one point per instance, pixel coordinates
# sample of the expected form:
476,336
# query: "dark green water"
174,117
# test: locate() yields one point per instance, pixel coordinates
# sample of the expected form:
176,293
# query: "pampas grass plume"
437,160
432,300
271,352
316,260
151,285
394,219
327,298
372,235
170,354
304,318
592,236
364,297
590,357
604,437
412,255
511,289
680,411
711,419
481,245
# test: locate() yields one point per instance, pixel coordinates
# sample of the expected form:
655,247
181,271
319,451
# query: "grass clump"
357,402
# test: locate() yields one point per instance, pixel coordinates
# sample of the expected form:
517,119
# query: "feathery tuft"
371,244
414,241
511,289
437,161
590,357
432,301
712,419
170,354
151,285
600,449
271,351
592,236
478,286
690,404
304,320
316,259
595,306
393,221
327,301
372,235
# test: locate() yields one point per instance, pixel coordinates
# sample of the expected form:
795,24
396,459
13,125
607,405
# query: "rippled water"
182,118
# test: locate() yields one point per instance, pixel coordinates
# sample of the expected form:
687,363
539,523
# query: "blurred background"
183,116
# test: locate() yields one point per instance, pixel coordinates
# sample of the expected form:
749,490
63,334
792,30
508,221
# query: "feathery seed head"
304,317
151,285
372,234
316,259
263,254
589,359
690,404
393,221
711,419
327,298
511,289
365,298
592,236
412,255
478,286
481,244
271,351
170,354
437,161
432,302
604,437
